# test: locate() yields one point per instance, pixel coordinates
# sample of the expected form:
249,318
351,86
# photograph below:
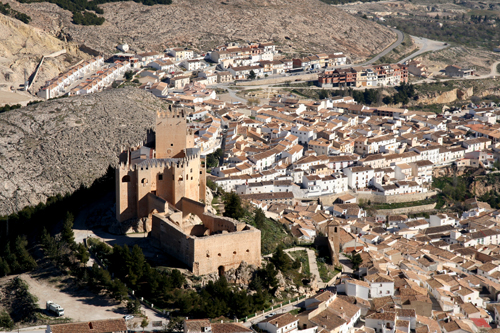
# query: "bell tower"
334,241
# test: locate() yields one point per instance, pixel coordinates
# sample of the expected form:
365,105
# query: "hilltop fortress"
163,184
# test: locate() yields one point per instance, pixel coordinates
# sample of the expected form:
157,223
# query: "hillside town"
317,167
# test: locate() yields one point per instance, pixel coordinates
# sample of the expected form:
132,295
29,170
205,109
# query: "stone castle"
163,185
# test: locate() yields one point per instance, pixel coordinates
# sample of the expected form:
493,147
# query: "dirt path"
313,265
79,305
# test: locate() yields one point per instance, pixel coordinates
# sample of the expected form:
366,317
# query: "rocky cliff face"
55,146
299,25
21,48
446,97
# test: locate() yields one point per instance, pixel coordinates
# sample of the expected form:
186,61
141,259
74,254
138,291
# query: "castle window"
219,255
201,173
180,178
171,145
234,252
248,250
191,178
160,177
126,179
335,229
144,181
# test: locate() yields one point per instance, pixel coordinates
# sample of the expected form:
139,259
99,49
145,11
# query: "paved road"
387,50
425,45
493,72
286,308
344,261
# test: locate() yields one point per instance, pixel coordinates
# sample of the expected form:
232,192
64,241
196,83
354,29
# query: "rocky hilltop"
21,48
54,146
295,25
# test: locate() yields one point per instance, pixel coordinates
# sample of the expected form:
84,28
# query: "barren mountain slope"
22,46
301,25
55,146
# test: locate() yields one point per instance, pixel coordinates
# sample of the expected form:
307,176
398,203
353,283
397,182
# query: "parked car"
128,317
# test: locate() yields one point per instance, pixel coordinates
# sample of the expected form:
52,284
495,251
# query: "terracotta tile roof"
229,328
96,326
280,320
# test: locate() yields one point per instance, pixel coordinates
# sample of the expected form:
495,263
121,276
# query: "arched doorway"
221,271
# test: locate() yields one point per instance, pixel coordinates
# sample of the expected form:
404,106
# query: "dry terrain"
54,146
296,25
21,48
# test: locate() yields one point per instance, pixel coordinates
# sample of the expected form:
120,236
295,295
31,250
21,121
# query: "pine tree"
281,260
232,206
260,218
67,233
11,259
4,268
82,254
26,261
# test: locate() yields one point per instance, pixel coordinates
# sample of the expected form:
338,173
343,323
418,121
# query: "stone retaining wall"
406,210
281,79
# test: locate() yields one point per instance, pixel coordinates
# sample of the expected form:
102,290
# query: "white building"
359,177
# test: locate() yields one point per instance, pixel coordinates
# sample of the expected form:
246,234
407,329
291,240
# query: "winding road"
387,50
426,45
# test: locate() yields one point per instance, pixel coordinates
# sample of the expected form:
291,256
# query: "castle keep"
163,184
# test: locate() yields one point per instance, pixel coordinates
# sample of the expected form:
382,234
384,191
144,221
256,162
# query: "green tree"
259,218
281,260
4,267
6,321
118,290
133,306
144,323
356,260
129,75
232,206
82,254
67,234
252,75
11,259
26,261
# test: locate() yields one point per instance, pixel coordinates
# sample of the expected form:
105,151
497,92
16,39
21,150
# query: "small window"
126,179
248,250
171,145
219,255
234,252
160,177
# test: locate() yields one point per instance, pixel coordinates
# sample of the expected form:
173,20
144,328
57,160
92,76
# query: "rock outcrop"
21,48
55,146
447,96
296,25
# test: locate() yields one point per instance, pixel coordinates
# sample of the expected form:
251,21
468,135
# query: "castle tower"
172,134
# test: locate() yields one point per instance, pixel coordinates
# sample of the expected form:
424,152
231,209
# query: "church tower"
334,241
172,134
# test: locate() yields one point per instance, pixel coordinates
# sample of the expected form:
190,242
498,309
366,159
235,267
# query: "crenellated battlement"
175,113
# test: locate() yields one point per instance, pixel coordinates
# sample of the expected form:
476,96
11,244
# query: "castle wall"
226,250
202,182
189,206
219,224
173,240
204,255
